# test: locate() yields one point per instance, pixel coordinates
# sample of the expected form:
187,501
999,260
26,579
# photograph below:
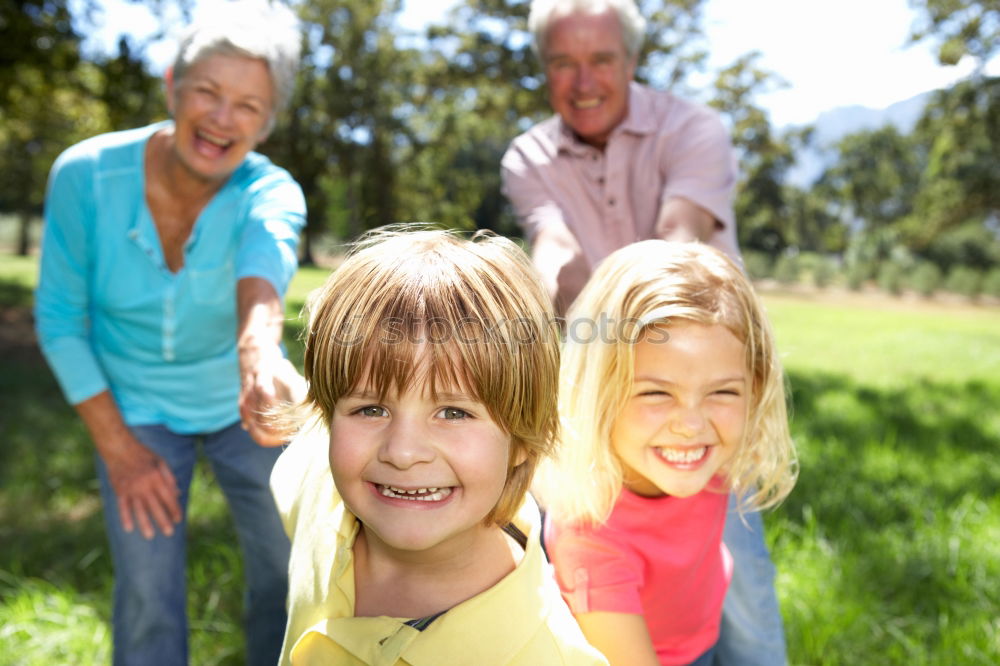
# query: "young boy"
432,365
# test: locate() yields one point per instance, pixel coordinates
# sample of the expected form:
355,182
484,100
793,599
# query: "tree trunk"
24,233
306,257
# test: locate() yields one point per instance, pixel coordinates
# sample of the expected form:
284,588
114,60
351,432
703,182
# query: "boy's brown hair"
469,310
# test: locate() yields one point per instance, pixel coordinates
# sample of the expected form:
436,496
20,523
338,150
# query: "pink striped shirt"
599,201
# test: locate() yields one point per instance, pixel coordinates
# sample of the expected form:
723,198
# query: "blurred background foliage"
388,125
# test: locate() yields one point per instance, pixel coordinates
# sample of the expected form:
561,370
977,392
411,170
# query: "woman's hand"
147,493
146,490
266,378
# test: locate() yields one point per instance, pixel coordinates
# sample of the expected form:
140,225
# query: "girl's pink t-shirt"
660,557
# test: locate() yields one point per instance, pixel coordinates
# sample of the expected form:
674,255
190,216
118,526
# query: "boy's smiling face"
420,471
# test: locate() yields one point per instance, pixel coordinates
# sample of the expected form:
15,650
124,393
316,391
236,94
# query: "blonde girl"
671,397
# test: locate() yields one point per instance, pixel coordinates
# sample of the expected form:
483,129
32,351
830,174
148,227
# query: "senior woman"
166,252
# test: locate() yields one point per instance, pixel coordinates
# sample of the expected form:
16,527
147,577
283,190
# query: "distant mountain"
833,125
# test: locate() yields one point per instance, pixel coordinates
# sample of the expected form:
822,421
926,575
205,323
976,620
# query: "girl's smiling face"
686,411
420,471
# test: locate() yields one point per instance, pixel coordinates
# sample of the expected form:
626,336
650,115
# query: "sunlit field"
888,550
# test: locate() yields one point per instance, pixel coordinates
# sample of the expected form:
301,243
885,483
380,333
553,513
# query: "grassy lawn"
888,550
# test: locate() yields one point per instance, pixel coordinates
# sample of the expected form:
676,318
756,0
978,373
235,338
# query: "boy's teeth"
433,494
682,455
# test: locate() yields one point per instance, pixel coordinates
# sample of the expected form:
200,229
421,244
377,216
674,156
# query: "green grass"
888,550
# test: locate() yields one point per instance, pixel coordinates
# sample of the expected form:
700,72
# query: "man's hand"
559,261
682,220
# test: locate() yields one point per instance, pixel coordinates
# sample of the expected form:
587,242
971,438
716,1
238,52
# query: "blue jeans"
705,659
150,609
752,633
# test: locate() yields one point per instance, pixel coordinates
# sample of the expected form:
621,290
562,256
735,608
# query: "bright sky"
832,53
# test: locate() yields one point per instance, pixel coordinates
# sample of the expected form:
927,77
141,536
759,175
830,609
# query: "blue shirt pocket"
210,286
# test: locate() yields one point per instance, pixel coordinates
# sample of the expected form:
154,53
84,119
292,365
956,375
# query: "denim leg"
243,470
706,658
149,622
752,633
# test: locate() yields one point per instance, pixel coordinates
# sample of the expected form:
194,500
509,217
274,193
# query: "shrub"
758,264
859,272
890,277
824,272
991,283
786,269
965,281
926,278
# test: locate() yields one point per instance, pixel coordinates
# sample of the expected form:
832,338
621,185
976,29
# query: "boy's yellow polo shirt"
520,620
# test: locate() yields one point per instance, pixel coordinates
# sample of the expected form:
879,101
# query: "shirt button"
611,201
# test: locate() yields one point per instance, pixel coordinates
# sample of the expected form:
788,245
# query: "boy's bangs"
435,339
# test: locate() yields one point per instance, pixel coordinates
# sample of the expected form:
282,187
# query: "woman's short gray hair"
253,29
543,12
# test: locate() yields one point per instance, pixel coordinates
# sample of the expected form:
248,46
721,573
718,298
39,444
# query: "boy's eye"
371,410
453,413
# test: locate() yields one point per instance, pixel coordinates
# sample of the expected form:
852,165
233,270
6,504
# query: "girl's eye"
453,413
728,392
250,108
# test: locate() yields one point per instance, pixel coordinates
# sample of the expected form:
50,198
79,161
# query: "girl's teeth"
419,495
683,455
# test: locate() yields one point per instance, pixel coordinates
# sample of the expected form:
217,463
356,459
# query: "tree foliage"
386,126
962,27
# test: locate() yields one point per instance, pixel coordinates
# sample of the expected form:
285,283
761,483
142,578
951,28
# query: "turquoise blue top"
111,315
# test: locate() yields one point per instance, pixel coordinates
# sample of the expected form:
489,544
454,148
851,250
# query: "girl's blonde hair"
647,283
415,306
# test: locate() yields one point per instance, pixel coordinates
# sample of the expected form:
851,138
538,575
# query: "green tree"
772,215
39,100
873,183
51,97
961,181
963,27
961,126
348,118
130,94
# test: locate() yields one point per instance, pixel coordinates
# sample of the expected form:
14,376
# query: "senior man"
617,163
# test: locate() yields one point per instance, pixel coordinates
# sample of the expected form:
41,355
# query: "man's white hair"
544,12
